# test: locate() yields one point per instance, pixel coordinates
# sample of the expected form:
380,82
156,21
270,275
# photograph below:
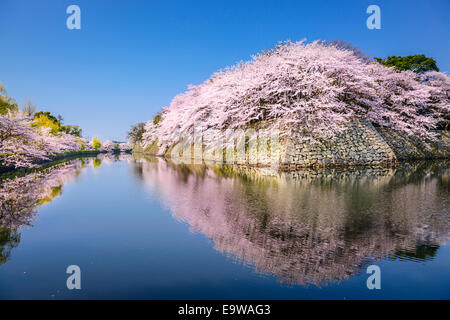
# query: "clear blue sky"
130,58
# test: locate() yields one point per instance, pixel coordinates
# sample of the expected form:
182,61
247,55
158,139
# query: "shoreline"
296,167
10,172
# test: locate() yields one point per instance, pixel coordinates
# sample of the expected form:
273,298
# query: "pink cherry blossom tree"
22,145
313,89
107,146
125,147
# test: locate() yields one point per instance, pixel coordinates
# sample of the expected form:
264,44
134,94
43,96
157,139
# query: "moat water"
149,229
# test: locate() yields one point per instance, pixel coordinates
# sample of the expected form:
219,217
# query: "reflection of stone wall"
309,226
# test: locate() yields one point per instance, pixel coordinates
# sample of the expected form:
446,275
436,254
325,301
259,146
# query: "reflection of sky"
128,245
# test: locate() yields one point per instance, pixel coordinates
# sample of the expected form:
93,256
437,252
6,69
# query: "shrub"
136,132
157,118
418,63
7,104
96,144
44,121
83,146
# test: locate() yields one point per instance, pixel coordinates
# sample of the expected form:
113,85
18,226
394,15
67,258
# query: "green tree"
96,144
418,63
157,118
48,115
136,132
83,146
6,103
45,121
73,130
45,118
76,131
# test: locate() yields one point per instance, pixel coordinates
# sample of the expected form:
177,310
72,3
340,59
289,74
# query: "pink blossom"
313,89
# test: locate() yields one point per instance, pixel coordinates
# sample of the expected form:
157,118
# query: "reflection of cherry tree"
9,239
109,146
19,197
108,158
309,226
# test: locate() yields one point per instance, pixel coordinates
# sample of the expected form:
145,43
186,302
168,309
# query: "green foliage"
157,118
9,239
48,115
96,163
6,103
153,148
418,63
56,191
44,121
45,118
73,130
136,132
96,144
81,143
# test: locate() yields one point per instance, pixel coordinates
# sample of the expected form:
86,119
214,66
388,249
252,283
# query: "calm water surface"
148,229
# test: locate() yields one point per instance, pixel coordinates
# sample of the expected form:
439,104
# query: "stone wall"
361,144
411,148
